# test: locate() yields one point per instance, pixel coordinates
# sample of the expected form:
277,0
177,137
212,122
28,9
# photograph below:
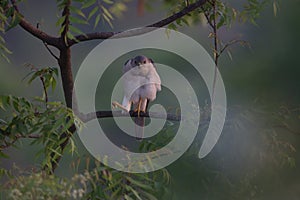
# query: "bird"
141,82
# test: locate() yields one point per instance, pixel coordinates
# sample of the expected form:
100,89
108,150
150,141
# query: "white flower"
81,193
15,193
74,194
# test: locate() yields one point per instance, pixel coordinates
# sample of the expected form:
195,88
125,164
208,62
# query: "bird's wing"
154,78
129,82
127,66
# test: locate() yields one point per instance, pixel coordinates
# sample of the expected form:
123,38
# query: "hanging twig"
50,51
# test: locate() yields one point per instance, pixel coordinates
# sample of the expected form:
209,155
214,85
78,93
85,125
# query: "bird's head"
142,65
141,60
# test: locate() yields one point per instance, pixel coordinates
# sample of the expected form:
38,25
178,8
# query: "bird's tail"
139,128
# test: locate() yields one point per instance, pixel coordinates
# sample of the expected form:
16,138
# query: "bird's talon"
115,104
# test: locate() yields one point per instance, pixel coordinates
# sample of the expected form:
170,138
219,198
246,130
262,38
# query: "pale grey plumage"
140,80
141,83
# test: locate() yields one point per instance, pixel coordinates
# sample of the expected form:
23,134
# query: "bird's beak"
139,65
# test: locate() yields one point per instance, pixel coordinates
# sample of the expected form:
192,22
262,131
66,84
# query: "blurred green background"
252,159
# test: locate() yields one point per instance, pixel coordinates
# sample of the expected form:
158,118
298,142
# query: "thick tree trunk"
66,75
68,84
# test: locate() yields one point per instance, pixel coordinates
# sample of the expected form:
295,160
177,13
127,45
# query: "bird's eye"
144,61
135,62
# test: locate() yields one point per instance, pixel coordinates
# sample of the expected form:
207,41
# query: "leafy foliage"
106,183
3,22
44,121
98,182
218,14
38,185
83,12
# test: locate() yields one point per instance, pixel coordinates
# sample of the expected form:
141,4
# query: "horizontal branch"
109,113
56,42
161,23
179,14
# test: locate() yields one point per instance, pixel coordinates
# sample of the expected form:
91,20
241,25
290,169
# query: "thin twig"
50,51
46,45
207,17
216,48
45,89
230,43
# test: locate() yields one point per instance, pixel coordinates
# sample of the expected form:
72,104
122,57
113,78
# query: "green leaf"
61,30
73,146
53,84
275,8
76,30
88,4
134,192
15,21
97,20
71,36
172,26
4,172
108,1
5,57
60,20
16,106
107,20
7,99
77,20
33,77
77,11
1,103
3,155
55,70
93,12
127,197
148,195
107,13
139,183
2,17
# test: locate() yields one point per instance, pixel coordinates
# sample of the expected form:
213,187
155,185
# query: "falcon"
140,83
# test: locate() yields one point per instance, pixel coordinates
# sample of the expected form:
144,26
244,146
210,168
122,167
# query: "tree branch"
216,48
50,40
107,114
50,51
161,23
230,43
65,66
